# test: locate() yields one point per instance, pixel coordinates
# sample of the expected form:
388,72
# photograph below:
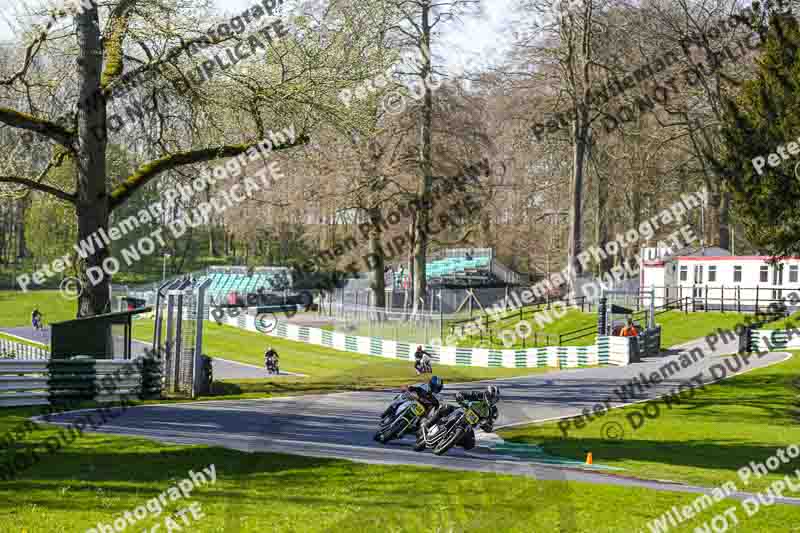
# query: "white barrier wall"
768,339
607,351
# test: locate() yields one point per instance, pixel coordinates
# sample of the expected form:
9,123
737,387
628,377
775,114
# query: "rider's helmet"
436,384
492,394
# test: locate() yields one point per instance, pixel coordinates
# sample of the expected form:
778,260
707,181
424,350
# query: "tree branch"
148,171
31,184
53,131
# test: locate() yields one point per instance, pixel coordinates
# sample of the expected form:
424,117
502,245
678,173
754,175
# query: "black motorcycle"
452,428
272,366
406,419
424,365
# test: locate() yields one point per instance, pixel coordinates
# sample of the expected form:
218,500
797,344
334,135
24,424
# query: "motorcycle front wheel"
449,442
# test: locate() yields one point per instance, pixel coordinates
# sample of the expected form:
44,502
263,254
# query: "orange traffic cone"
588,458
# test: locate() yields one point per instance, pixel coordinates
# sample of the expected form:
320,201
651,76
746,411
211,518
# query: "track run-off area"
341,425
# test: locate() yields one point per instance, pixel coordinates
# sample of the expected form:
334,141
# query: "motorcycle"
406,419
424,366
451,429
272,366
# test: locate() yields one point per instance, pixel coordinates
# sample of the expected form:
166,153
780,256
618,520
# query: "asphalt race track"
342,425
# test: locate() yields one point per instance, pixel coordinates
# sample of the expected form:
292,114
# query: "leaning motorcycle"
451,429
406,419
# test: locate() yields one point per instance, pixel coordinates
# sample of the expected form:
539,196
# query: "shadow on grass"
224,388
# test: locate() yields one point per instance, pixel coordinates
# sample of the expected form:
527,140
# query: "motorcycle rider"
36,319
484,404
418,359
271,360
425,392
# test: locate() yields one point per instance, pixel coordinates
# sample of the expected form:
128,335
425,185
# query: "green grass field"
676,328
704,440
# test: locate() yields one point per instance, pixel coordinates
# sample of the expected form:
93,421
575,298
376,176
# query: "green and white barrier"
774,339
607,351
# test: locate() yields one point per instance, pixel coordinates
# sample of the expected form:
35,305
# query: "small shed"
105,336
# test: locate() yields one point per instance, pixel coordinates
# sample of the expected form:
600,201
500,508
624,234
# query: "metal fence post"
756,299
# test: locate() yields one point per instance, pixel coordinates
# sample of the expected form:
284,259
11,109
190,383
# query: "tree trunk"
22,247
378,282
601,225
724,221
421,227
92,200
576,194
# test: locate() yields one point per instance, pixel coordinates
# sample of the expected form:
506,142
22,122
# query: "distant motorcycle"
272,366
406,419
424,365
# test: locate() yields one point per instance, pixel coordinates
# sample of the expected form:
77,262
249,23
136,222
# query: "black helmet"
492,394
436,384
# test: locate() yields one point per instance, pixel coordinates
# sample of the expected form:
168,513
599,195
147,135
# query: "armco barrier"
57,381
608,350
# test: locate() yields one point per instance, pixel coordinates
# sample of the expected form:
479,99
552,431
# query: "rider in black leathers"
270,359
418,359
486,409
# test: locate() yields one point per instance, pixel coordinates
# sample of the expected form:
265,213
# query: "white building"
713,279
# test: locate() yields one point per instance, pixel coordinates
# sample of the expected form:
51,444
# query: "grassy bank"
326,370
676,328
703,440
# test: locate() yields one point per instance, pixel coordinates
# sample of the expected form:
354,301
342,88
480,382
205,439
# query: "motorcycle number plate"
419,409
471,417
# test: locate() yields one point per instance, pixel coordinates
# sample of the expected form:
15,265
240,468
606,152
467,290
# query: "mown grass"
326,370
16,307
97,478
676,328
703,440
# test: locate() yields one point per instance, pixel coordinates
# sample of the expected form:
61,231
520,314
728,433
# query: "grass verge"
327,370
703,440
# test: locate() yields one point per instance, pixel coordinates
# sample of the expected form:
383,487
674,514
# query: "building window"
684,273
763,274
792,273
698,274
737,274
712,273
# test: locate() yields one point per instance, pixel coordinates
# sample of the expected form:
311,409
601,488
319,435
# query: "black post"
756,298
601,316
